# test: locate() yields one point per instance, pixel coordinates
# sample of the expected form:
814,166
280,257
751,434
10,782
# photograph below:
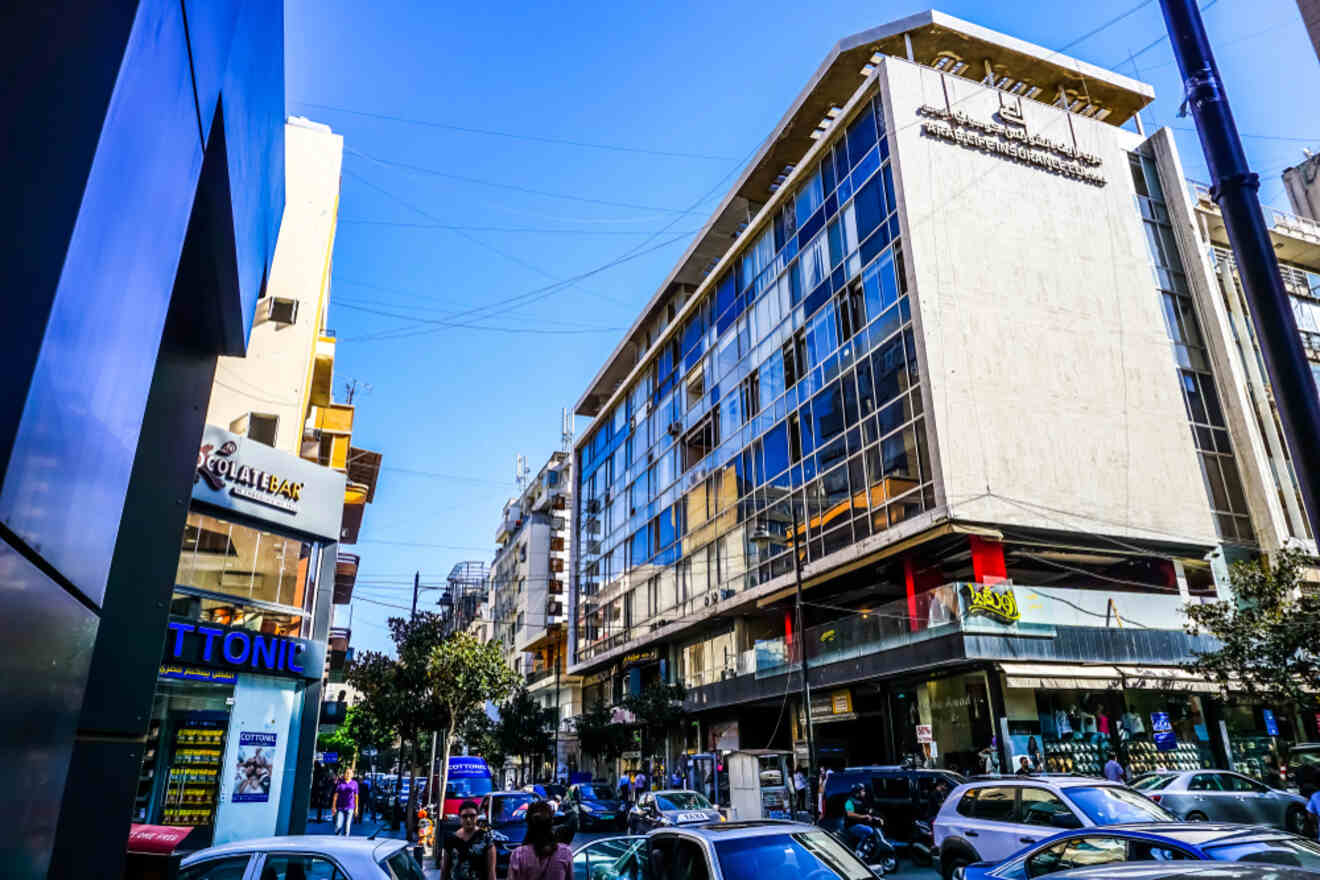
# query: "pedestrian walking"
541,857
344,803
639,782
800,783
322,787
468,853
1313,811
1114,771
364,799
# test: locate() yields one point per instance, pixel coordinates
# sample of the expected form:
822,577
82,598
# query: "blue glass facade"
787,403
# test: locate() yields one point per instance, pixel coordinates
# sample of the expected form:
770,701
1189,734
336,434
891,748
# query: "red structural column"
987,560
910,582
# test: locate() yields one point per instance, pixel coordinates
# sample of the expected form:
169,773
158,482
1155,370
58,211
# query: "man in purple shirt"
344,802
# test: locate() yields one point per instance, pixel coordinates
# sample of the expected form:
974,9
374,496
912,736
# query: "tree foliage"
598,735
525,727
657,708
1267,633
481,734
462,676
359,730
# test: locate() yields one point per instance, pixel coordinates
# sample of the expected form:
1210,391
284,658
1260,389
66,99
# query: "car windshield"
1304,757
470,786
1111,805
509,807
589,793
1154,782
682,800
788,855
402,866
1295,851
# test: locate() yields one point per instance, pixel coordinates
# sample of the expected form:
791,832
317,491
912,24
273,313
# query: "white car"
304,857
990,819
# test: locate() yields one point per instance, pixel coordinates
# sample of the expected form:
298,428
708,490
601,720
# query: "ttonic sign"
206,644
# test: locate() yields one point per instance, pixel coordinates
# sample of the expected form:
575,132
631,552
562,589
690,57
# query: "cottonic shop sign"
1010,138
223,470
999,604
196,643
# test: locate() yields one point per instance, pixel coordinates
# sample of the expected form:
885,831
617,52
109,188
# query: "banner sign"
205,644
1162,732
924,734
256,766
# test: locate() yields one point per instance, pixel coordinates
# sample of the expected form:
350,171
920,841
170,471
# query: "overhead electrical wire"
545,139
509,229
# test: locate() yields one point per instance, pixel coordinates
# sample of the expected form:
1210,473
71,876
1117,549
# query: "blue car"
1149,842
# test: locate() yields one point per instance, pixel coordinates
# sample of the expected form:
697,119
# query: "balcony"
539,674
323,370
346,567
327,435
1297,239
555,587
364,469
971,609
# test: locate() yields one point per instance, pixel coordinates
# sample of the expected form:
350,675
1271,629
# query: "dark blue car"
1149,842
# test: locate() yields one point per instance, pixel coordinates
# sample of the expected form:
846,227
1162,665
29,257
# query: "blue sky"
441,218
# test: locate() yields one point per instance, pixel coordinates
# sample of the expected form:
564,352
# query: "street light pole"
802,652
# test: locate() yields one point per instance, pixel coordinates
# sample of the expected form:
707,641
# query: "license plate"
692,817
607,815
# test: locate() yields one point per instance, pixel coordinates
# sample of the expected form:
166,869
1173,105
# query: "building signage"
924,734
194,673
1011,139
267,484
156,839
189,642
999,604
1162,732
1271,723
834,706
637,658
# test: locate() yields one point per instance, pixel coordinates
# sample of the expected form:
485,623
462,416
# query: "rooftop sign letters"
1010,137
220,467
636,658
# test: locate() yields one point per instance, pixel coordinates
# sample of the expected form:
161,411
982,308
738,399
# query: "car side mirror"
1065,820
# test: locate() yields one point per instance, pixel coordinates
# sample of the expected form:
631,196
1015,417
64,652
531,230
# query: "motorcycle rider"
860,827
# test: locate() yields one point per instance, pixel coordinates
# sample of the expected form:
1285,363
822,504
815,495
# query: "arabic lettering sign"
1162,732
195,673
1000,604
256,766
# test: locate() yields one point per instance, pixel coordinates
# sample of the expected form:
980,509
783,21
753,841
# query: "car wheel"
1194,816
951,864
1295,821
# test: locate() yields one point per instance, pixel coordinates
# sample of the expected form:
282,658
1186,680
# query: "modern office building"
143,183
529,588
945,345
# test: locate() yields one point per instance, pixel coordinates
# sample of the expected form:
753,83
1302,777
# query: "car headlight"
586,808
664,821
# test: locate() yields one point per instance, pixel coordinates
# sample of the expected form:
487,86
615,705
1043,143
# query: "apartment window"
795,359
277,310
750,394
698,442
261,427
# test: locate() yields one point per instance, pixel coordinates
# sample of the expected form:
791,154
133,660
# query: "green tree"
462,676
526,729
1266,633
397,692
481,734
657,708
598,735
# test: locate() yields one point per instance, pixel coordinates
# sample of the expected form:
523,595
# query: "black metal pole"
417,585
1234,189
812,782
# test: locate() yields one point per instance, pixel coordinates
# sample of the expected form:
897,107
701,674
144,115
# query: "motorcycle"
873,849
923,843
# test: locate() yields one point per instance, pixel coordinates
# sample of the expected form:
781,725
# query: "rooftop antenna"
520,471
351,389
566,434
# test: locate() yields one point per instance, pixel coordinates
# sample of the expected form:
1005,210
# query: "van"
469,779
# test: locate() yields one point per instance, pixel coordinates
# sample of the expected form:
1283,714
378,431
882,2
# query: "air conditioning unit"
276,310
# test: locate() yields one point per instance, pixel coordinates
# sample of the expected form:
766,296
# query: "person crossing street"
344,803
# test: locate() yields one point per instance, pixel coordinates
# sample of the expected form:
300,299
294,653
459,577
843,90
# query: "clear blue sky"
703,80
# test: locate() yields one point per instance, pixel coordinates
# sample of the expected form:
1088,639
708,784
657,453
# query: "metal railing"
1282,222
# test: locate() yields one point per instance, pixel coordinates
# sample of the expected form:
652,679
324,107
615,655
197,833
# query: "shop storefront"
230,740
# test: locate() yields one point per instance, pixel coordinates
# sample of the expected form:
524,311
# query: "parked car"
763,849
596,806
990,819
1223,796
306,855
1304,768
1152,842
900,795
505,813
1184,871
669,808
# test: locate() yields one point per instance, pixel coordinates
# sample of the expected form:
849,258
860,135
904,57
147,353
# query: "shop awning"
1060,676
1080,677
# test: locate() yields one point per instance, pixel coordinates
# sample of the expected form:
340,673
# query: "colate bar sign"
217,467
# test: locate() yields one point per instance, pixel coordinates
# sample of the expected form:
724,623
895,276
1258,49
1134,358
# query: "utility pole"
417,586
1234,188
802,653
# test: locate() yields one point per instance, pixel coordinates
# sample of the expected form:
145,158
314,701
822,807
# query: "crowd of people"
469,853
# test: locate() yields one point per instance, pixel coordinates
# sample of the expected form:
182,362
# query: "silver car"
1223,796
657,809
309,856
765,849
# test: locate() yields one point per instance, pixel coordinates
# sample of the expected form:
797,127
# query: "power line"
442,476
509,229
617,148
437,322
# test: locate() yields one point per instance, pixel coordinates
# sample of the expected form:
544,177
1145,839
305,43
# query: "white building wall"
1049,380
273,377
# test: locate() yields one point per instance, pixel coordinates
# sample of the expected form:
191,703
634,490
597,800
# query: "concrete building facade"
947,341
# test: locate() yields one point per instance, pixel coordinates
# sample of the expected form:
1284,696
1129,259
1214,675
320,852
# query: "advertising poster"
1162,732
1271,724
255,767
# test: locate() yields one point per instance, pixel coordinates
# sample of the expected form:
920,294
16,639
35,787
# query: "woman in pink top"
541,857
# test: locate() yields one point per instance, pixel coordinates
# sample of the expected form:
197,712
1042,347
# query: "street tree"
1266,633
657,708
598,734
462,676
481,735
525,728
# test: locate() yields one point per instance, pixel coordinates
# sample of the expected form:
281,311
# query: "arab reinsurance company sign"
267,484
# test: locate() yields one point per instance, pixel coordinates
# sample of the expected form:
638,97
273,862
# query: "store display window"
1259,737
1077,729
962,728
1185,712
